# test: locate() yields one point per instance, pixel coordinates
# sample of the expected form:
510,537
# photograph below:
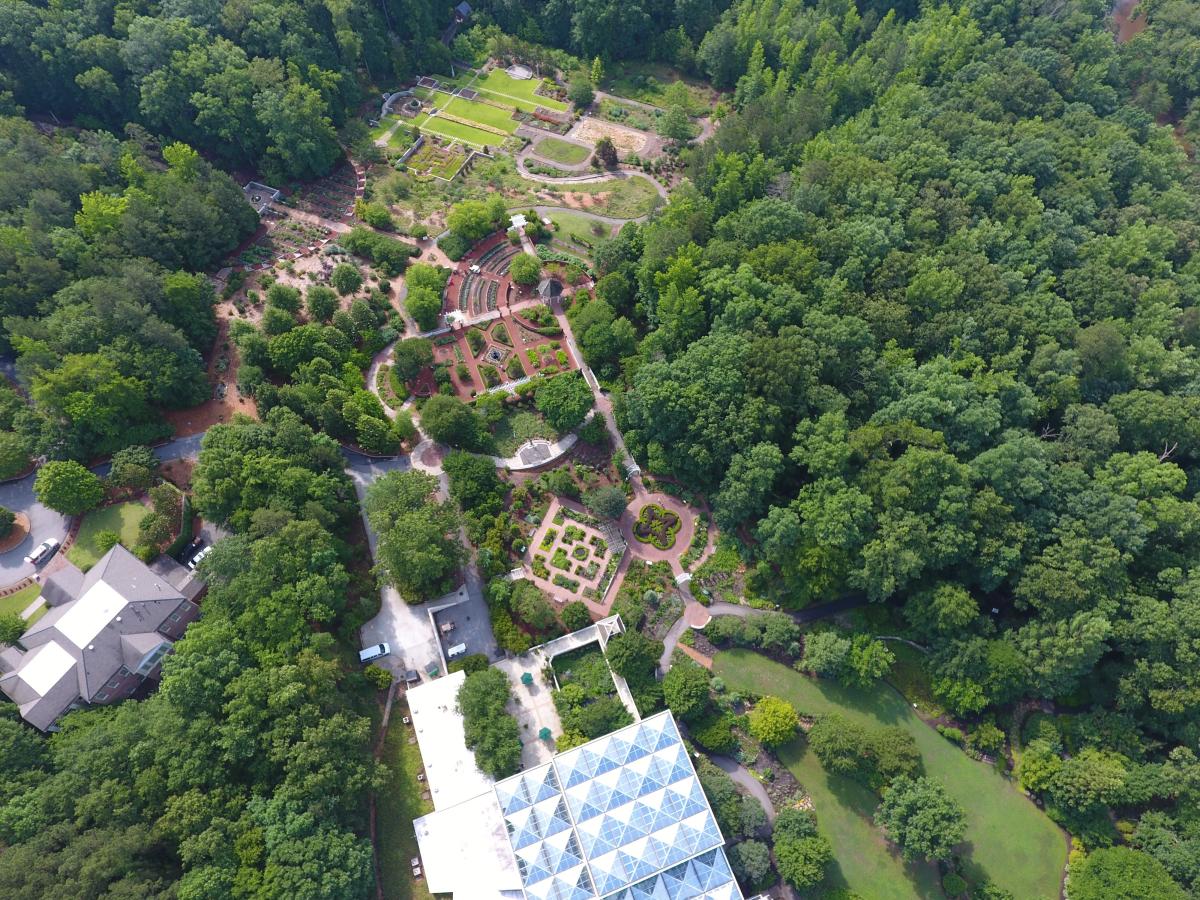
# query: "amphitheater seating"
489,254
462,292
500,263
493,288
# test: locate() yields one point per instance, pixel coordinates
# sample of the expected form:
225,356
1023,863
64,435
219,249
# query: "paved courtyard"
532,706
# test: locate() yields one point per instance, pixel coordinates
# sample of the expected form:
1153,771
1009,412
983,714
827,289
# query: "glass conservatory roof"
622,816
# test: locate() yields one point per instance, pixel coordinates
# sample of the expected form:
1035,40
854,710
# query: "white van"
456,650
373,652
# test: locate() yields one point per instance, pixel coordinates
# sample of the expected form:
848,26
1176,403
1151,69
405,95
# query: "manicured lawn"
518,427
572,226
1008,839
482,113
561,151
16,603
122,518
396,805
456,131
512,90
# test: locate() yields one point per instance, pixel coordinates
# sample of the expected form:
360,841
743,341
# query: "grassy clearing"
649,83
482,113
561,151
1008,839
382,128
123,518
577,228
518,427
16,603
909,677
625,198
396,805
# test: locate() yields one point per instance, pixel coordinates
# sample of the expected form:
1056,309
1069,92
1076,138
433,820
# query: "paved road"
43,523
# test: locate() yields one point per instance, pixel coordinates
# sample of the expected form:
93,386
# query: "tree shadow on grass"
859,802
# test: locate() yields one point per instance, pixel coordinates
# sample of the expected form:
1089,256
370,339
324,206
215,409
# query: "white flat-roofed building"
450,766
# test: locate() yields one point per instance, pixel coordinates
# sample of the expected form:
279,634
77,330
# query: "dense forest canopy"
925,329
101,243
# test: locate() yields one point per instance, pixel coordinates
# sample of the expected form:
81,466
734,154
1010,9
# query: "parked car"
374,652
191,549
42,551
456,650
199,557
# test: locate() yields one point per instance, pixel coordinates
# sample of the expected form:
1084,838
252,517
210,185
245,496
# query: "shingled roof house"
105,633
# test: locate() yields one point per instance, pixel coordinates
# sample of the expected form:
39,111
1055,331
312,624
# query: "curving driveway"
43,523
46,523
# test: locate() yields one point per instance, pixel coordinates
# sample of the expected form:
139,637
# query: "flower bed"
560,560
548,540
580,552
657,526
539,567
563,581
572,533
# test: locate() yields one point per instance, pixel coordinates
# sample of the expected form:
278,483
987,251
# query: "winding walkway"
741,775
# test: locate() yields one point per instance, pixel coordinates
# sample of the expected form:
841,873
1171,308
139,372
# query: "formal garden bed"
657,526
572,555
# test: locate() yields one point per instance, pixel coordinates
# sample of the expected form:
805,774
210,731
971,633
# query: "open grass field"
396,805
626,198
123,518
573,227
1009,841
456,131
14,604
561,151
482,113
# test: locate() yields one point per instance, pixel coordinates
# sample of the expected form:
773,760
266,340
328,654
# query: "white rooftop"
90,613
464,851
45,667
519,220
449,766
